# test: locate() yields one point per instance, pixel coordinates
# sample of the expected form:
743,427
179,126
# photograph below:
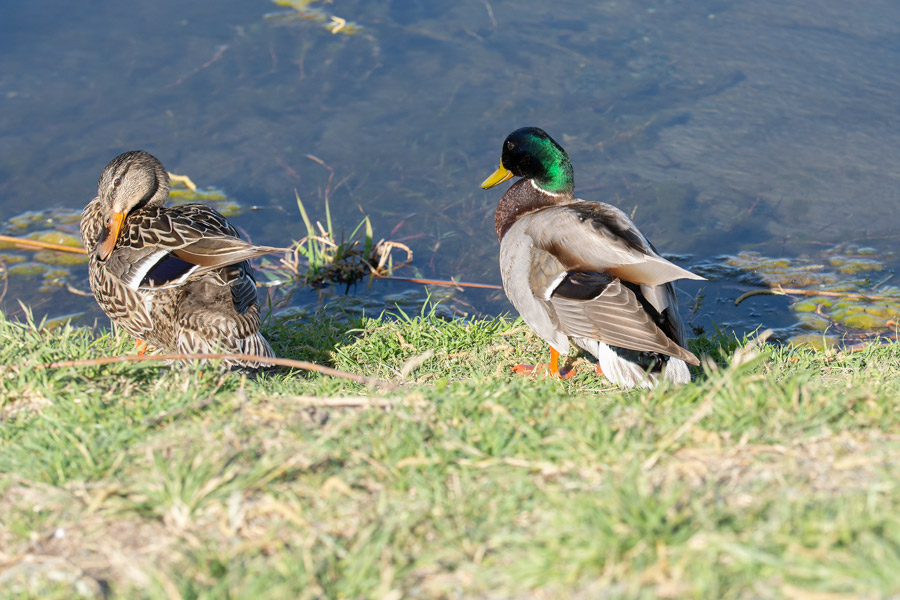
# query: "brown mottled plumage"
177,277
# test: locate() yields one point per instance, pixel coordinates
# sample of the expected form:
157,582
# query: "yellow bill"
110,235
498,176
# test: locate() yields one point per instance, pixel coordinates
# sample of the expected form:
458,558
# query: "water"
723,126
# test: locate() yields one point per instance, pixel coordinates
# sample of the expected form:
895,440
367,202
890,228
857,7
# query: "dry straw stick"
283,362
783,291
38,245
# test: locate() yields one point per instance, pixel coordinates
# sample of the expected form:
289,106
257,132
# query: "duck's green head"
531,153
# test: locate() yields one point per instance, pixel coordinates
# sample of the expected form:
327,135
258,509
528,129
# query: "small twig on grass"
415,362
265,360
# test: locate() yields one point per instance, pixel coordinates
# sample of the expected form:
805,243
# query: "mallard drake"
582,270
177,277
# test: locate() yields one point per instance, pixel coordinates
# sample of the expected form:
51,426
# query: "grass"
772,476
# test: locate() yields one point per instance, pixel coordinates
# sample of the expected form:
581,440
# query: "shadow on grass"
314,337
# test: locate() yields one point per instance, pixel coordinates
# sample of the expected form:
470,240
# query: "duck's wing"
599,238
600,307
163,247
595,276
220,312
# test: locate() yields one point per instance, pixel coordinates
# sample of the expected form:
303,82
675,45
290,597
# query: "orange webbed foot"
527,369
543,368
142,346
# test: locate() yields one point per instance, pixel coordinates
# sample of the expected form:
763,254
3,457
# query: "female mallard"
583,270
177,277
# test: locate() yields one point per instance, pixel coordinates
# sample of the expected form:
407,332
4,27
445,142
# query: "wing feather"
615,317
608,242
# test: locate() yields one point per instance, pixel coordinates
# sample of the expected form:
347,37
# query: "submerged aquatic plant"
321,259
329,260
838,297
48,230
210,196
302,9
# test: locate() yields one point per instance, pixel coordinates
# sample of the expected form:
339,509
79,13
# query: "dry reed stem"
783,291
36,245
283,362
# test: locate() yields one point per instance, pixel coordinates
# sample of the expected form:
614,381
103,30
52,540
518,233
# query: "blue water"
722,126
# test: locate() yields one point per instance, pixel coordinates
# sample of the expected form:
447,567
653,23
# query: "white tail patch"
626,374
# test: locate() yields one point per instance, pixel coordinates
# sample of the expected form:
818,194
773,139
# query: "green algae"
50,324
27,269
849,303
181,195
62,238
214,197
51,277
815,341
807,305
780,271
50,257
863,319
813,321
49,270
854,265
11,259
56,237
42,218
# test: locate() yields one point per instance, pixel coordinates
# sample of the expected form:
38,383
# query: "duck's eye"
117,181
510,145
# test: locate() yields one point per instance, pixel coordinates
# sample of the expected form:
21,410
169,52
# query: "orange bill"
110,235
